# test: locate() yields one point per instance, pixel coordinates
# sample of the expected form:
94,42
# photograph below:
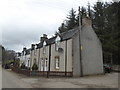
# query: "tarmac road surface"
11,80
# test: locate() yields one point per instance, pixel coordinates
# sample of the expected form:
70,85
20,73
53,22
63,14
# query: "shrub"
23,66
34,67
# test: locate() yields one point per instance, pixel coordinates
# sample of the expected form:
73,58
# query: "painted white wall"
24,59
55,53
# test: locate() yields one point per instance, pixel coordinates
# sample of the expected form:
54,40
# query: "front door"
45,65
42,65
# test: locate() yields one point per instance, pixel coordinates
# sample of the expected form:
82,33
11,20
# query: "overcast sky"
22,22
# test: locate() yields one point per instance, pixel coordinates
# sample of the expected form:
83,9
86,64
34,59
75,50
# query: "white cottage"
77,52
24,57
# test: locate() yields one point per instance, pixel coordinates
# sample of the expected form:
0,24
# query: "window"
42,64
28,62
57,43
46,62
45,67
35,50
57,63
44,47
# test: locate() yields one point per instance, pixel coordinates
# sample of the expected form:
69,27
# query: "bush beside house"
34,67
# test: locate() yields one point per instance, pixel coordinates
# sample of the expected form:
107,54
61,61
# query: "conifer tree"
71,22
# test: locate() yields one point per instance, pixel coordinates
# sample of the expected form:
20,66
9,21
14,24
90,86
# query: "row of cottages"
24,57
77,52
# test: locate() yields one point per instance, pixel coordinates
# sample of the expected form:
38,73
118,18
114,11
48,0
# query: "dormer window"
44,47
57,43
24,52
35,51
36,46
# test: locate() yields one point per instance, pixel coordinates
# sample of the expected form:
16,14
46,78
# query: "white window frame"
57,62
45,64
41,65
57,43
44,47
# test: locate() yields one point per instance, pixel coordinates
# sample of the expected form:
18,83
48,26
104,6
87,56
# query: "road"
0,77
109,80
13,80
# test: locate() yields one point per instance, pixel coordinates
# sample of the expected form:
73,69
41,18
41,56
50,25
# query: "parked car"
7,66
107,68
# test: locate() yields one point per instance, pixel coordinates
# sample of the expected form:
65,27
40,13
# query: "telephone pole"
80,27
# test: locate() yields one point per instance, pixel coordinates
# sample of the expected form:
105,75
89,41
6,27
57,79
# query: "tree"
7,56
62,28
98,19
71,22
105,23
89,11
83,14
105,18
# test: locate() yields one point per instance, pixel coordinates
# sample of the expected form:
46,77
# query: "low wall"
51,73
21,71
42,73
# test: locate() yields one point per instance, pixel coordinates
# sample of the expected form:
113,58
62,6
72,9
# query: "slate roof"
69,34
64,36
28,51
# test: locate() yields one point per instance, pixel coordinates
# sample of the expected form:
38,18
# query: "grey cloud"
15,38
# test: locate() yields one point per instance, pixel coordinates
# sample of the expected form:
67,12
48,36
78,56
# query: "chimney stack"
24,49
32,46
86,21
44,38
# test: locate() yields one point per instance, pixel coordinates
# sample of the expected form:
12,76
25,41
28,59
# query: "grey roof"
64,36
48,41
40,45
69,34
28,51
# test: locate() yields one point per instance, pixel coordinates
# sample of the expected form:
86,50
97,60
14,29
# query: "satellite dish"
60,50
